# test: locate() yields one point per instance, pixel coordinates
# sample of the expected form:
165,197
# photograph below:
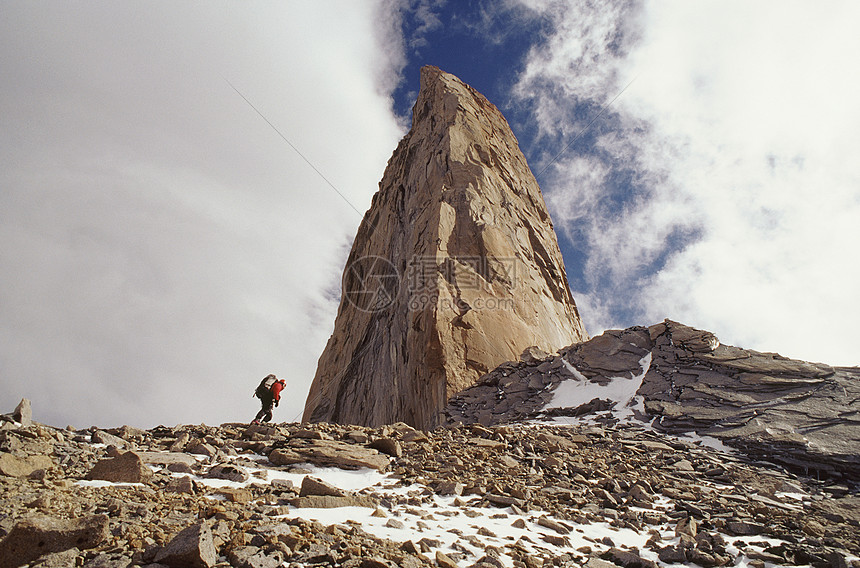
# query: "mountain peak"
455,269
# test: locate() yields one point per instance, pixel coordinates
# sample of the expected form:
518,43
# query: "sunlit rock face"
681,380
454,270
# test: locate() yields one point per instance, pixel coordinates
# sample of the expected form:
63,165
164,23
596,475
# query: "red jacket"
277,388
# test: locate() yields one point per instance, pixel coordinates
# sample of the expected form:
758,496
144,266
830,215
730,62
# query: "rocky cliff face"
681,380
454,270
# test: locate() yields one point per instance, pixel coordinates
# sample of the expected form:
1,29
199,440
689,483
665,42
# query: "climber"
269,393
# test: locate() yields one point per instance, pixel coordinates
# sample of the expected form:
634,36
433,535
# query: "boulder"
253,557
23,413
108,439
333,502
15,466
64,559
314,486
627,559
329,453
182,484
166,458
109,560
34,536
229,472
193,547
125,468
388,446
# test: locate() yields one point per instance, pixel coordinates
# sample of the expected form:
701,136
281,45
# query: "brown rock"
454,270
125,468
627,559
38,535
193,547
449,487
332,502
445,561
180,485
314,486
388,446
235,495
330,453
15,466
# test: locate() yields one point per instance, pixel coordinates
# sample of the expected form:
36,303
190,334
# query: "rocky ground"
527,494
680,379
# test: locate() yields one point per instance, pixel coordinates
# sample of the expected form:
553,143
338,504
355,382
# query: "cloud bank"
720,188
161,248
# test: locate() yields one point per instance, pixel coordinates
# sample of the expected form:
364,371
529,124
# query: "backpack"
264,389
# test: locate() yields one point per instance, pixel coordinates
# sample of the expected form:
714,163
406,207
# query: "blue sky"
162,247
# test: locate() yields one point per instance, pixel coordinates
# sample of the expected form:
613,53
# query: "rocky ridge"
683,380
454,270
523,495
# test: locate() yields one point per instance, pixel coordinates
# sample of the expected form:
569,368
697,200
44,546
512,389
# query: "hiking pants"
265,413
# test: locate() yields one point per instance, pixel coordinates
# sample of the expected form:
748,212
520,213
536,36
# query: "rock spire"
455,269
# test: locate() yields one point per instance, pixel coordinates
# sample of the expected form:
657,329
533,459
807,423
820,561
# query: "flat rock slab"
32,537
333,502
15,466
166,458
329,453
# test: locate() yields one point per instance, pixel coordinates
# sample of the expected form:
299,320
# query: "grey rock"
64,559
179,468
40,534
253,557
798,414
193,547
168,459
180,442
229,472
627,559
282,484
23,413
105,560
743,528
594,562
673,554
102,437
202,449
449,487
181,484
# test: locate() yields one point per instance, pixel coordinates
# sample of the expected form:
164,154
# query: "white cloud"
161,248
741,125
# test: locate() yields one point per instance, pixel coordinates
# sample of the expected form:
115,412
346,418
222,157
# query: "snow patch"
101,483
622,390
